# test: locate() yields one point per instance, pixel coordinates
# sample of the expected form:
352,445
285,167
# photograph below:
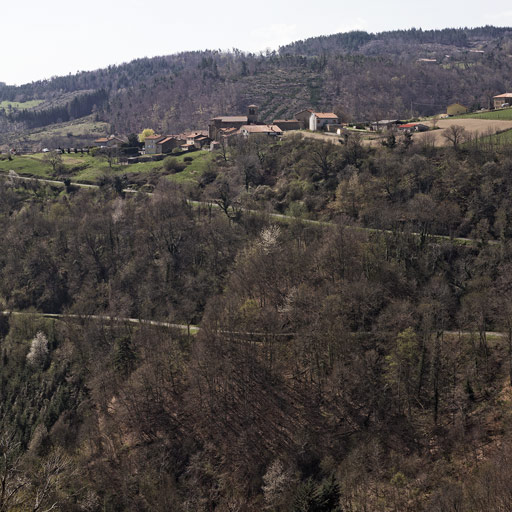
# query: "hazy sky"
44,38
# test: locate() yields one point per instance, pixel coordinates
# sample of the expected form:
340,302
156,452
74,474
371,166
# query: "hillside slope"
363,76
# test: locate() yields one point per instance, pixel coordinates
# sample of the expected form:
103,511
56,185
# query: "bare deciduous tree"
455,134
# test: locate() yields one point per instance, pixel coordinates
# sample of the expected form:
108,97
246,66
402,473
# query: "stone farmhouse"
164,144
501,99
217,124
108,142
161,144
287,124
314,121
271,130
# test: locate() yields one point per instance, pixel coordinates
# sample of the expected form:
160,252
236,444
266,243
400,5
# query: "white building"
318,120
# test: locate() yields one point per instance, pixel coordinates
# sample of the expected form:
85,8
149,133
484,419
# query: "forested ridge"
362,76
359,363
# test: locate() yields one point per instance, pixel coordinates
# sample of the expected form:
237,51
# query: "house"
218,123
108,142
413,127
320,120
226,133
166,145
271,130
311,120
150,144
303,117
287,124
198,138
384,124
456,109
502,99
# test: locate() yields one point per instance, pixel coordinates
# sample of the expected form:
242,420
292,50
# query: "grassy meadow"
85,168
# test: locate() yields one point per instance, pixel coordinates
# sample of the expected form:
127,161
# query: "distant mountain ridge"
361,75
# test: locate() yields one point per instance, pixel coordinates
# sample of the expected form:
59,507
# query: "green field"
494,115
499,139
86,126
24,105
88,169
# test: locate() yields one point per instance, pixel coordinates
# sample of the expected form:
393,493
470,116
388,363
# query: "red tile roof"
325,115
506,95
167,139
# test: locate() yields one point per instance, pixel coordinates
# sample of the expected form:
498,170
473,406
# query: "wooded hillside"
362,76
359,363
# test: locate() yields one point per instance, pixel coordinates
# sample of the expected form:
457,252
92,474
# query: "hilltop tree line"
358,40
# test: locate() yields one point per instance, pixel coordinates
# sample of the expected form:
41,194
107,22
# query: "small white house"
319,120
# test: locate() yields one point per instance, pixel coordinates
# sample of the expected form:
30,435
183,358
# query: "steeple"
252,114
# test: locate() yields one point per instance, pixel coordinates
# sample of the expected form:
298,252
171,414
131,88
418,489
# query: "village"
222,129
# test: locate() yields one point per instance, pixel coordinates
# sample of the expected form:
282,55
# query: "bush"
172,165
188,159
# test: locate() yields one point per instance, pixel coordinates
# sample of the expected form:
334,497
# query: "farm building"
218,123
384,124
320,120
502,99
311,120
288,124
108,142
456,109
270,130
303,117
413,127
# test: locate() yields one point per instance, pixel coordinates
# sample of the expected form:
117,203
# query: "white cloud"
504,17
272,36
356,24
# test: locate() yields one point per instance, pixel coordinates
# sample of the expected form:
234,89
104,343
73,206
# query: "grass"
80,128
26,165
23,105
88,169
499,139
494,115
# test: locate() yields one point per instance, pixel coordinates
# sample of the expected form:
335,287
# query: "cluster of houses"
222,128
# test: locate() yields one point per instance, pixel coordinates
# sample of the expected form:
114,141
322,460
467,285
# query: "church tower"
252,114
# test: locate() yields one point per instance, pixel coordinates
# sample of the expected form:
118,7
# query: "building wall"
317,124
216,125
304,118
151,147
168,146
499,101
287,124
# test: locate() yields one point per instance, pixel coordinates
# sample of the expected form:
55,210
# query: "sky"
40,39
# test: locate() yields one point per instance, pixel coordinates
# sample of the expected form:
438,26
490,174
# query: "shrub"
172,165
188,159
